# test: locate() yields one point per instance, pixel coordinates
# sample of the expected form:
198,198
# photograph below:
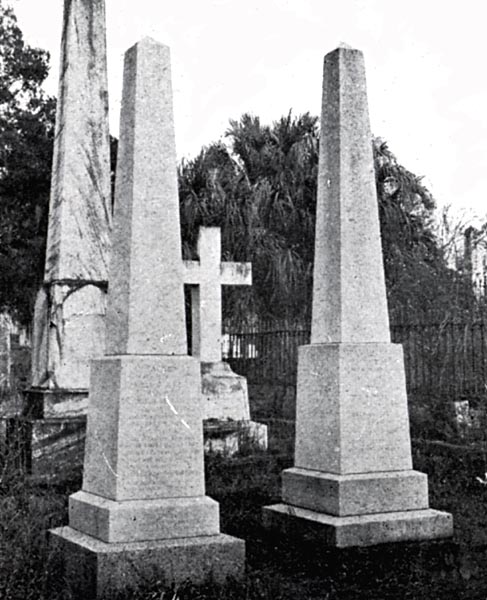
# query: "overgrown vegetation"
261,188
277,568
26,142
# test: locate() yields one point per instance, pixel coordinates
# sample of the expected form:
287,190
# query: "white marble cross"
206,277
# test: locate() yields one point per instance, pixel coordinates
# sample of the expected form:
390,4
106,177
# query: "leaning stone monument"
70,308
142,511
225,395
352,483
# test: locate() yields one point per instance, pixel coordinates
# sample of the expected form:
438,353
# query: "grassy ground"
276,568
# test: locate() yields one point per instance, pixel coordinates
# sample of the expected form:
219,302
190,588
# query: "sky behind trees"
425,62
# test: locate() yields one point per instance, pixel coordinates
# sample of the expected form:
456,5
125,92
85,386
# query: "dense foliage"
261,189
26,138
262,195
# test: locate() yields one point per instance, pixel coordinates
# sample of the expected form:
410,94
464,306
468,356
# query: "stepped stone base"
52,448
143,520
355,494
96,569
361,530
227,426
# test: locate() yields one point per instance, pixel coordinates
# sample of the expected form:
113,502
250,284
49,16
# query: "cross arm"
236,273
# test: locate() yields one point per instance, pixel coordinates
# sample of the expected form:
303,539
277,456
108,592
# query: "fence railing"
447,359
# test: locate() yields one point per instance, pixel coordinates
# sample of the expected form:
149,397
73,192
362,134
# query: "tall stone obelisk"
353,482
69,312
142,511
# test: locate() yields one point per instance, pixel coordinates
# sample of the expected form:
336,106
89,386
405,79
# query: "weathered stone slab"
55,404
362,530
79,214
48,448
96,569
225,394
70,308
70,332
356,494
141,520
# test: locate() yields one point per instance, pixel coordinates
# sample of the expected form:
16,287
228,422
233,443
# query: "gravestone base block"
227,425
143,520
357,493
96,569
46,449
55,403
225,394
233,437
357,530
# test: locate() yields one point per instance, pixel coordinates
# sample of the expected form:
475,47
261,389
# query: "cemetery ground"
277,568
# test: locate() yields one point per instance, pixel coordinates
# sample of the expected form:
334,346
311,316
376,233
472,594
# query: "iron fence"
441,359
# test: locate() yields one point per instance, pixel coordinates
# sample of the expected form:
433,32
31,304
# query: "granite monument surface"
353,482
142,510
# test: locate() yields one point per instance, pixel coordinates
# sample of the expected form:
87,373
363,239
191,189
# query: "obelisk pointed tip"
343,47
148,42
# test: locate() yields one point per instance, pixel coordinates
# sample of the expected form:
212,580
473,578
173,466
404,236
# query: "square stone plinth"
225,394
144,428
351,409
361,530
142,520
357,494
96,569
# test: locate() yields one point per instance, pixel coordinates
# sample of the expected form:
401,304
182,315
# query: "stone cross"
352,482
142,511
207,276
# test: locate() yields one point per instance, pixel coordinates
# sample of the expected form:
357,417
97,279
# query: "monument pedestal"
358,530
96,569
225,394
142,509
124,544
227,426
353,483
142,514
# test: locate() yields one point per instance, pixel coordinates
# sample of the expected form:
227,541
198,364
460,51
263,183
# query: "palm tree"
260,188
261,192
